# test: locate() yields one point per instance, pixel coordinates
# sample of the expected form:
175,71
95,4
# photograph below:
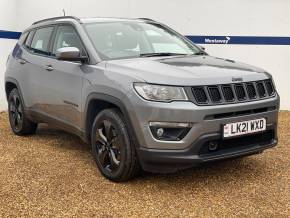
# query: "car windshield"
118,40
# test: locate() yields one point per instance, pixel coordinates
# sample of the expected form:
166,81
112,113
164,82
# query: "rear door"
34,60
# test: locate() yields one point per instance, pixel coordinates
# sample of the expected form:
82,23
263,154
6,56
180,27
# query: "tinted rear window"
29,39
23,38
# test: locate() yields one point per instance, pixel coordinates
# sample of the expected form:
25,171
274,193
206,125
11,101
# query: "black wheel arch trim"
115,101
15,82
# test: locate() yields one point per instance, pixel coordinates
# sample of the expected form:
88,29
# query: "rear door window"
41,39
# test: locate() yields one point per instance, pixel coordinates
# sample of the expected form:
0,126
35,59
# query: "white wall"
7,22
190,17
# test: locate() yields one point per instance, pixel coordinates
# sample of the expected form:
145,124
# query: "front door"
56,85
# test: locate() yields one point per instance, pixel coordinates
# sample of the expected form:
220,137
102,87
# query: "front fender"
118,103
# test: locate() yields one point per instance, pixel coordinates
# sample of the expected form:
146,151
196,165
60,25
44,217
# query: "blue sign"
240,40
9,34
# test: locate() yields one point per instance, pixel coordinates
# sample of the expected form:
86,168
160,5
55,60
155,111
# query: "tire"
19,122
112,148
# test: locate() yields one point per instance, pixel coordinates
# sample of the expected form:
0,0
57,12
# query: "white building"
256,32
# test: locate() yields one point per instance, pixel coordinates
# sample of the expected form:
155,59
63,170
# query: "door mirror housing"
70,54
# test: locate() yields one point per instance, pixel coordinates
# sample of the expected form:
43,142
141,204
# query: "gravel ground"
53,174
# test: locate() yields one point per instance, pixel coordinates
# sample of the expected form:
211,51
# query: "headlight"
160,93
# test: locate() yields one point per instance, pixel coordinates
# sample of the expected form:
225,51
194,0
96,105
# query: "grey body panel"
62,92
188,71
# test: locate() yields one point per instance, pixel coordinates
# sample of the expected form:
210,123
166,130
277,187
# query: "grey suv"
142,95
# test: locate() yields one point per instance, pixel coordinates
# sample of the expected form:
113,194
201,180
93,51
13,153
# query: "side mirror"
70,54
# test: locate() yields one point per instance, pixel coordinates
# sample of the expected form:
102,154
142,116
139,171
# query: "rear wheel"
19,123
112,148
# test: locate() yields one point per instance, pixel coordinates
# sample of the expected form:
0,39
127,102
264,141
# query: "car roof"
112,19
89,19
55,20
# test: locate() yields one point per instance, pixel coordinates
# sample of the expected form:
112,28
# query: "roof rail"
56,18
145,18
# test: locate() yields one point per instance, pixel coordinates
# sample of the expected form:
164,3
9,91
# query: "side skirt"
41,117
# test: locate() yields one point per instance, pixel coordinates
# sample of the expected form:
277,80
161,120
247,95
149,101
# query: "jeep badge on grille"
237,79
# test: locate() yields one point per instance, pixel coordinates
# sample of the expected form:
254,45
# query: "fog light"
160,132
169,131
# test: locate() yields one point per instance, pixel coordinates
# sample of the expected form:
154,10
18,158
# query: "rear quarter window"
29,39
23,38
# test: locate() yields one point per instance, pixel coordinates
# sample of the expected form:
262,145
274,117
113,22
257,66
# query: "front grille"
270,88
200,95
233,93
261,90
228,93
241,94
251,91
215,94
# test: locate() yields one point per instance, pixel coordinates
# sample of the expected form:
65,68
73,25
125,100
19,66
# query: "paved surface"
53,174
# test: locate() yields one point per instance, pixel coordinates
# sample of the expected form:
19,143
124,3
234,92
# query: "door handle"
49,68
22,61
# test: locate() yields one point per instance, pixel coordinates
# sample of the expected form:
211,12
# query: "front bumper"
204,119
169,156
168,161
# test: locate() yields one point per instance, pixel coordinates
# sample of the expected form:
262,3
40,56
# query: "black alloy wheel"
16,112
19,123
108,146
112,147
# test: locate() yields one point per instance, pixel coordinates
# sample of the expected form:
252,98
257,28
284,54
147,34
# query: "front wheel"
112,148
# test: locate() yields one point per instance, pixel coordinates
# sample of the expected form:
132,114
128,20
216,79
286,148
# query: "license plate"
244,127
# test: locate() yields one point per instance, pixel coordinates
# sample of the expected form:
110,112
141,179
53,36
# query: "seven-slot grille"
233,93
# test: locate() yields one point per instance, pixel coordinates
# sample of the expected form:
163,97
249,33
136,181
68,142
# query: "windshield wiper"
200,53
160,54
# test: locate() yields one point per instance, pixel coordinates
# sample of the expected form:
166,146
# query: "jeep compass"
142,95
